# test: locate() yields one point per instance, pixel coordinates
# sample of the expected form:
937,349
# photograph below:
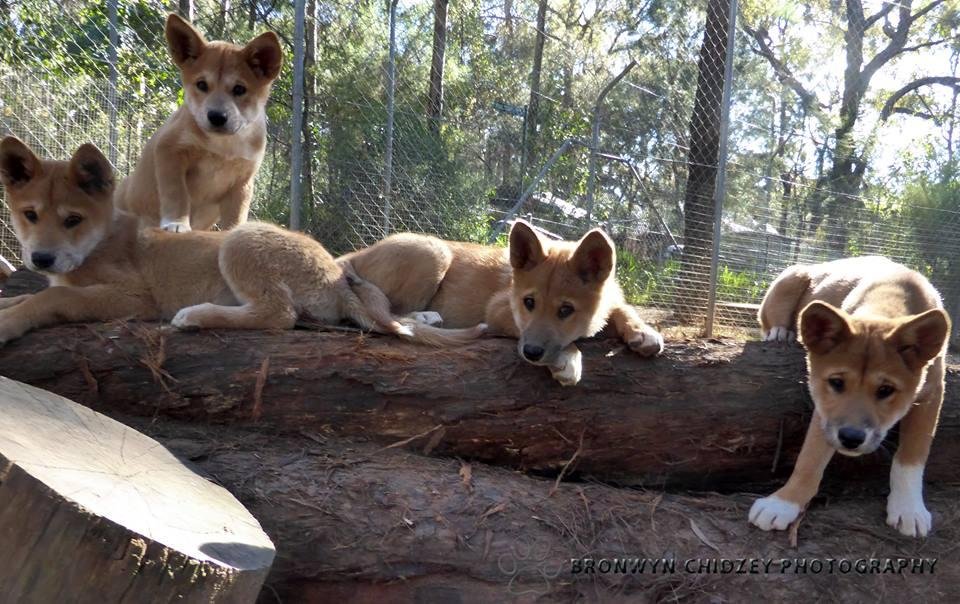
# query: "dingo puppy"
102,267
198,169
875,333
547,294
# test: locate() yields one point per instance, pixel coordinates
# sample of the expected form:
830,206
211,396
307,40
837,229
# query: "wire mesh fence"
640,118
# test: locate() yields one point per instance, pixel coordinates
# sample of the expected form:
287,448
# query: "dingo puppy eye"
202,86
239,90
30,215
72,220
529,303
565,311
836,383
885,390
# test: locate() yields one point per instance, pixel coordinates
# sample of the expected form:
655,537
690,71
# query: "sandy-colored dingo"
875,334
103,267
197,170
547,294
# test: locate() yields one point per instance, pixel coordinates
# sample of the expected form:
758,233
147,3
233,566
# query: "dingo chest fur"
875,334
198,169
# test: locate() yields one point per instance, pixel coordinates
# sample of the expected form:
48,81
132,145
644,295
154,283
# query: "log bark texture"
357,522
707,414
93,511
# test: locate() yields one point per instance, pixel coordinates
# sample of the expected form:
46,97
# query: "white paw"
184,319
647,343
773,513
905,509
570,372
174,226
428,317
779,334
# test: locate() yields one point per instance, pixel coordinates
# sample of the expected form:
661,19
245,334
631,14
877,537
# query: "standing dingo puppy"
875,333
547,294
198,169
103,267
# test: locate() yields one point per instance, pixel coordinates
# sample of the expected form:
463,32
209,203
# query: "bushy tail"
369,307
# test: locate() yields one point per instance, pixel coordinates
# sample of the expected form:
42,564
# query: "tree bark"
92,511
533,107
703,156
435,85
707,414
355,522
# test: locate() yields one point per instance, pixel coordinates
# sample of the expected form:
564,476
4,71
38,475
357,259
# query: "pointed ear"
921,337
595,257
264,55
91,171
183,40
18,164
823,327
526,249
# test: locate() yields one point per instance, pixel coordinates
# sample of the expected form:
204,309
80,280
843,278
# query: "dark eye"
239,90
836,383
565,311
202,86
30,215
72,220
529,303
885,391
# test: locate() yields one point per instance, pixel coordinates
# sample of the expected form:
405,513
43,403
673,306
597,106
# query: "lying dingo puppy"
875,333
548,294
197,170
102,267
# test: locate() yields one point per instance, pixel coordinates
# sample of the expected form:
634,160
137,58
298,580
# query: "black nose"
42,259
851,438
217,118
532,353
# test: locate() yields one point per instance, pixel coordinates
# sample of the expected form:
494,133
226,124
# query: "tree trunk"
705,415
355,522
185,9
533,107
435,85
703,155
92,511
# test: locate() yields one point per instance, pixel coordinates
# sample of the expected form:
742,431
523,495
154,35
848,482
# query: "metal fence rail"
661,145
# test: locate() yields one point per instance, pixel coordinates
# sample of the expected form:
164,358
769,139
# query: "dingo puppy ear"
91,171
595,257
183,40
18,164
526,249
823,327
264,55
921,337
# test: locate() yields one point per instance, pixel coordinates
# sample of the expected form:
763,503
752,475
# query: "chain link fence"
676,128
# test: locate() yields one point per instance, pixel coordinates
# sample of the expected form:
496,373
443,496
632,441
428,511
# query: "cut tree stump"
93,511
707,414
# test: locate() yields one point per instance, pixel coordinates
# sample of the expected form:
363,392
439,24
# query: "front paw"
428,317
187,319
909,516
779,334
646,343
569,373
175,226
10,329
772,513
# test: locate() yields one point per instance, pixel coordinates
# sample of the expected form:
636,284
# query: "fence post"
595,140
391,90
112,89
720,189
296,141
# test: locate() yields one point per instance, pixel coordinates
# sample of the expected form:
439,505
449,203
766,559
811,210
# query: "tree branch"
888,107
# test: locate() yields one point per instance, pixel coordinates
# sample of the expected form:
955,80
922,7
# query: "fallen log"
707,414
93,511
360,522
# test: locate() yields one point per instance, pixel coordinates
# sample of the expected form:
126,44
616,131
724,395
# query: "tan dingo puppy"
875,333
198,169
547,294
102,267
